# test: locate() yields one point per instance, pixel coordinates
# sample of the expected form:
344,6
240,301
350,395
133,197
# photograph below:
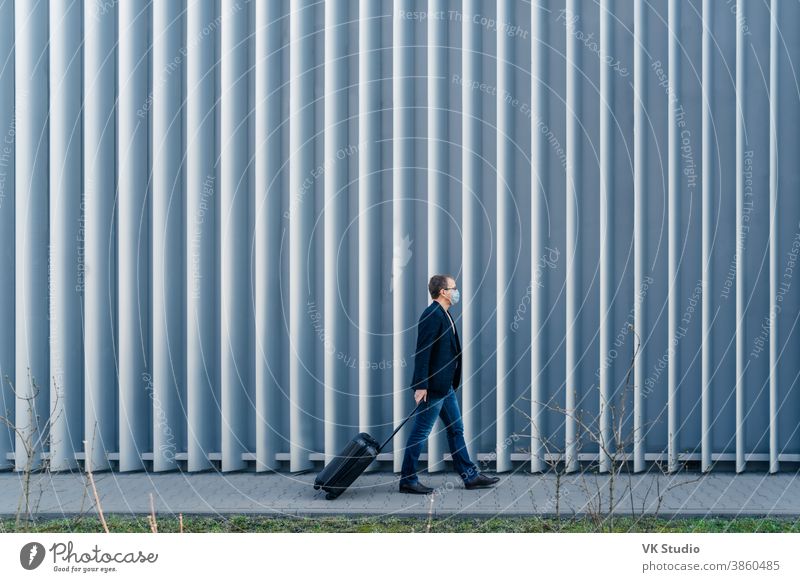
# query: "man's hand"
420,395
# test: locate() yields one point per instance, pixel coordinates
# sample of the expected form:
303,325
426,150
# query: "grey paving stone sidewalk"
375,493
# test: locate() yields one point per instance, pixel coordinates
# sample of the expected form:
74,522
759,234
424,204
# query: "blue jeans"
429,411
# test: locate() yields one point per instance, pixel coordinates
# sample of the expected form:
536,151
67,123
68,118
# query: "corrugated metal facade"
218,219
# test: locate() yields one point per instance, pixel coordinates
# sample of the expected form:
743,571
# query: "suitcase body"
340,473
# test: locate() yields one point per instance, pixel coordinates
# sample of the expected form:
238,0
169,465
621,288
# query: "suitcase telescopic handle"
399,427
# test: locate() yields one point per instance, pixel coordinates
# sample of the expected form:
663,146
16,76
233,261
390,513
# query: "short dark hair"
437,283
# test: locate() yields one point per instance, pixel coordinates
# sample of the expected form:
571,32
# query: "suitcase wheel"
330,496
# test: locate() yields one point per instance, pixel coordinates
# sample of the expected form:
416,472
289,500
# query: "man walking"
437,375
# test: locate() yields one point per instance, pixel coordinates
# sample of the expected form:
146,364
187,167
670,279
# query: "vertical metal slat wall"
218,219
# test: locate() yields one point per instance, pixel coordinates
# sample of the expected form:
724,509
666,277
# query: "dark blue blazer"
437,361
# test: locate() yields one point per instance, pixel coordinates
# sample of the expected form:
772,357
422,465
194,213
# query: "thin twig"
97,498
430,515
152,516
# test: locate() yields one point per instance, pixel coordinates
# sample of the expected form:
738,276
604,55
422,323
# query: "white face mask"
455,296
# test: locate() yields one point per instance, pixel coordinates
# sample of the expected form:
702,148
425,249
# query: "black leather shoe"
417,487
481,481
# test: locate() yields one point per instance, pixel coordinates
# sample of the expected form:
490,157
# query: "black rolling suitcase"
340,473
